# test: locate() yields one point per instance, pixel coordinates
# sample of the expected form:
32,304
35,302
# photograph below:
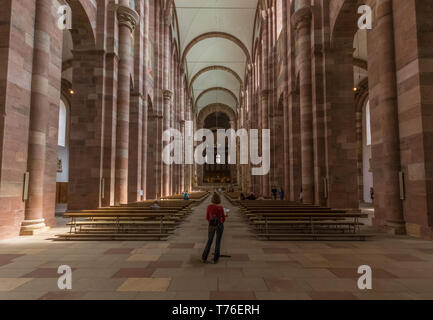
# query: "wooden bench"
135,218
193,196
109,221
109,236
287,220
233,197
315,237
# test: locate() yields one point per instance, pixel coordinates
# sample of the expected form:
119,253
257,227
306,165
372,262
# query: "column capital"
302,17
167,94
127,17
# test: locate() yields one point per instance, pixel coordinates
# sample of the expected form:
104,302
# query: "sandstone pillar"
166,174
265,97
34,222
145,149
127,21
385,127
302,20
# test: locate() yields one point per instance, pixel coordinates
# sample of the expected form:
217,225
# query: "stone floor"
402,267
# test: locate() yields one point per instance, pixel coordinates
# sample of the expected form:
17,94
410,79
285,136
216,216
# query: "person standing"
281,194
216,217
274,193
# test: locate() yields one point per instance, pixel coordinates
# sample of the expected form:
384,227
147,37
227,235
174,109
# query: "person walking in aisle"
216,217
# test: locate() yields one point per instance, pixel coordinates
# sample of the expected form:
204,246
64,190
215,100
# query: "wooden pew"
233,197
111,225
130,221
197,197
285,220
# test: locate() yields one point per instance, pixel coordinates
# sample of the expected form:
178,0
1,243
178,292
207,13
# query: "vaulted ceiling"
216,39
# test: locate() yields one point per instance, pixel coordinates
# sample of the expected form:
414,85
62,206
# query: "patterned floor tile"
134,273
403,257
276,250
332,295
177,245
62,295
165,264
232,295
9,284
119,251
145,284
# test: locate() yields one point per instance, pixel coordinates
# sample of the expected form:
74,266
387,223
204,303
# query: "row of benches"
233,197
286,220
135,221
198,195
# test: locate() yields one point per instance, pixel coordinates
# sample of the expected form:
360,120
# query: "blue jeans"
211,233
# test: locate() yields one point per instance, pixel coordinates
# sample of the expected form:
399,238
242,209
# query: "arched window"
62,124
218,159
366,154
367,124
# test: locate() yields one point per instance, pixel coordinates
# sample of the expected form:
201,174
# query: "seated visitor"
251,197
155,206
185,196
242,196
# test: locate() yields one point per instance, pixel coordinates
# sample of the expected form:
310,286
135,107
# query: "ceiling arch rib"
215,79
216,41
222,35
215,68
225,90
216,52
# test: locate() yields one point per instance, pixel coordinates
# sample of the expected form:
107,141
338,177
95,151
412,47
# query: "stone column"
385,142
145,149
34,222
265,92
256,122
183,174
302,20
128,19
166,168
265,98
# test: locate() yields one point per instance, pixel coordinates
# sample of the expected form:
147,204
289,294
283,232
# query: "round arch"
343,22
217,89
216,107
83,17
214,68
222,35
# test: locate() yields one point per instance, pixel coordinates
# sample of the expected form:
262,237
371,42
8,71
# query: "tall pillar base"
395,227
33,227
390,226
